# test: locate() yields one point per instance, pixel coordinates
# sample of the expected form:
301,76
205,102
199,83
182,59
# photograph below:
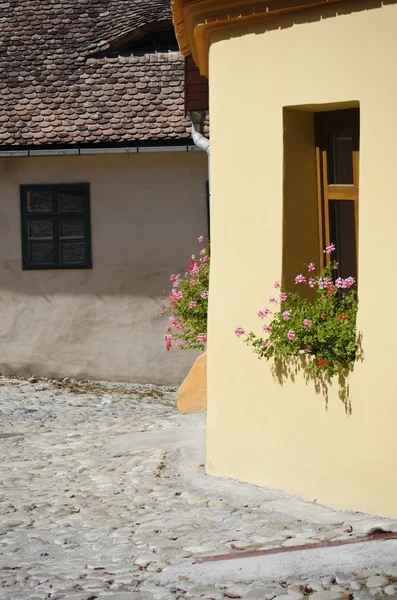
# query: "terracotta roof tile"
57,85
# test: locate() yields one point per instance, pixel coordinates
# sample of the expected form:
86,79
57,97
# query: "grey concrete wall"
147,211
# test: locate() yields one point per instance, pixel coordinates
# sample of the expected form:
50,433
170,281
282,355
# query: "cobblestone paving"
79,521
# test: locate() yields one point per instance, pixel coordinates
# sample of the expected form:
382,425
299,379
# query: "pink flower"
202,252
168,342
277,285
177,324
202,337
307,323
173,277
264,344
239,331
192,282
272,300
176,295
286,315
201,239
345,283
192,305
194,269
168,330
329,249
300,279
350,281
291,335
311,267
179,344
324,283
267,328
263,313
312,282
176,283
204,294
283,297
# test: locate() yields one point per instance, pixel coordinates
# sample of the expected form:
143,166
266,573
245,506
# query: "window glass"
41,253
340,157
39,201
72,201
343,234
72,252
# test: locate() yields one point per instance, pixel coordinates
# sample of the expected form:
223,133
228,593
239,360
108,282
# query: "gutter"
87,151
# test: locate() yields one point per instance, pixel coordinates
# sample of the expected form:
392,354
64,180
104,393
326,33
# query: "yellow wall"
287,436
147,211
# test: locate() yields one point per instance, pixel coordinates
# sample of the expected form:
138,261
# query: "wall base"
192,395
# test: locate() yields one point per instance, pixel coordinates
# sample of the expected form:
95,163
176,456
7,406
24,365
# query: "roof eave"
195,20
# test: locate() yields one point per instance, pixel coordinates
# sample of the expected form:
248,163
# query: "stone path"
103,489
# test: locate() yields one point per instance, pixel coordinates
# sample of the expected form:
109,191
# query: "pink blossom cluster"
197,266
323,283
175,323
300,279
329,249
345,284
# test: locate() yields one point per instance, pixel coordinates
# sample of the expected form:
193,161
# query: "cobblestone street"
103,489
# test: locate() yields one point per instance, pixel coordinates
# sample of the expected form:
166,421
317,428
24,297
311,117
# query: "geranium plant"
324,328
187,304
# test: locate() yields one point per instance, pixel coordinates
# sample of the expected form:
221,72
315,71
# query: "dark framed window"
55,226
337,156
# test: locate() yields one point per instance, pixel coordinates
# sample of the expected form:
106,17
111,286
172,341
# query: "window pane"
343,235
39,201
71,228
71,201
41,253
40,228
72,252
340,157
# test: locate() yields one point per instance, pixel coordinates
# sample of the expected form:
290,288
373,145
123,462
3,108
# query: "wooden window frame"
326,192
55,216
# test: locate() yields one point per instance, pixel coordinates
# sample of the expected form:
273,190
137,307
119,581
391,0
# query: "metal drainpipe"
198,119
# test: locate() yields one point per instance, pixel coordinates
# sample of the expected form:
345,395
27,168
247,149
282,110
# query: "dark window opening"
160,41
337,154
158,36
55,226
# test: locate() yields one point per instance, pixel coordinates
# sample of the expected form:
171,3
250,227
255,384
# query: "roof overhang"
196,20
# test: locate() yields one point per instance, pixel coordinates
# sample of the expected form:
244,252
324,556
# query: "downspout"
198,119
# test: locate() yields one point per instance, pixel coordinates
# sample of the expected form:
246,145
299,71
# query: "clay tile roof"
61,83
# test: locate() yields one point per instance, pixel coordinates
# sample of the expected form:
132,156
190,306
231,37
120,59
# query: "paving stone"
377,581
79,521
390,590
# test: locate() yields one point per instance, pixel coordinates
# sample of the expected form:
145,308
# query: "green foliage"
187,305
324,328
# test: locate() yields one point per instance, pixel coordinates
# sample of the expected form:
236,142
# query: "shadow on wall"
284,370
311,15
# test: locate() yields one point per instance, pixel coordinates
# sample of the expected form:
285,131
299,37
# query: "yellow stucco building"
284,76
